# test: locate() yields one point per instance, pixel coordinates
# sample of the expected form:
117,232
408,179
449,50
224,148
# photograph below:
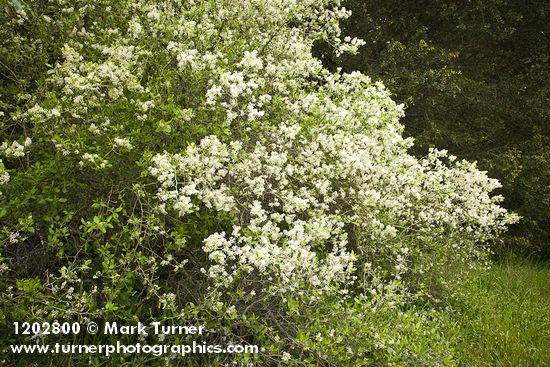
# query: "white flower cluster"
88,82
15,149
4,176
122,143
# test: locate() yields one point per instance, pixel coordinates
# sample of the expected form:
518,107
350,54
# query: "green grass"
502,317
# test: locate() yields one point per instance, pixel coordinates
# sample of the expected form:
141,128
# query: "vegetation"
194,163
474,77
501,316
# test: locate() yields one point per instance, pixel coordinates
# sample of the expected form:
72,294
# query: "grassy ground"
503,316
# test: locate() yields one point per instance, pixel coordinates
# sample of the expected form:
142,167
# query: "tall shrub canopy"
184,159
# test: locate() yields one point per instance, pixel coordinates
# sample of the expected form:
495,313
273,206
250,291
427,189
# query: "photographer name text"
156,328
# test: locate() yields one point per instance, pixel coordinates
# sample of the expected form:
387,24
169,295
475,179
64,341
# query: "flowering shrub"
193,161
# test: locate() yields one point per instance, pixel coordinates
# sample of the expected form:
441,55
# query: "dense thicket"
192,162
475,78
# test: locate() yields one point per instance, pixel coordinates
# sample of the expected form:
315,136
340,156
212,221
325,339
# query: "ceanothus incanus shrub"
192,161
